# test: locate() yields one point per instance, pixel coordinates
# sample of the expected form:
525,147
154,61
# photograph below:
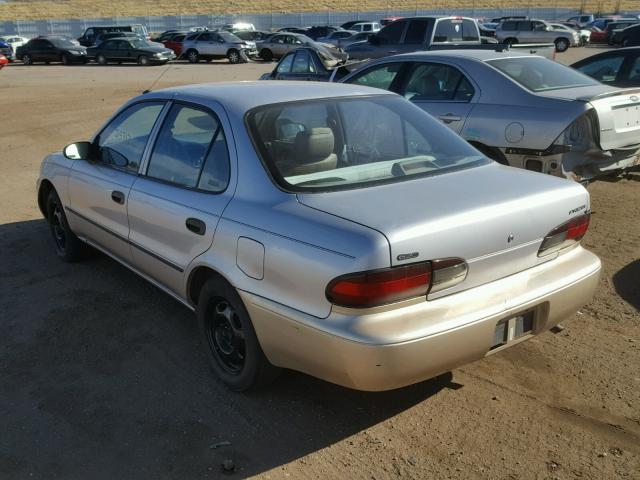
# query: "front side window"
344,143
539,74
285,64
191,150
416,31
378,77
122,142
392,32
603,70
434,81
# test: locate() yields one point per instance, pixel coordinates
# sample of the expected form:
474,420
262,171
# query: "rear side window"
416,32
191,151
378,77
603,70
455,30
437,82
302,63
392,32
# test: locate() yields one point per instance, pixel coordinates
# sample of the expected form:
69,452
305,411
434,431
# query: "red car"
3,61
175,43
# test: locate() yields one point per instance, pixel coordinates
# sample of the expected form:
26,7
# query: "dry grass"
37,9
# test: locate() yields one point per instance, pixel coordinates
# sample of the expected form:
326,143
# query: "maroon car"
3,61
175,43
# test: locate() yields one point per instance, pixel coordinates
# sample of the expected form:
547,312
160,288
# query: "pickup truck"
416,34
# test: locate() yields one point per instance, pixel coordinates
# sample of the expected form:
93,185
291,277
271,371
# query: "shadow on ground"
627,283
103,377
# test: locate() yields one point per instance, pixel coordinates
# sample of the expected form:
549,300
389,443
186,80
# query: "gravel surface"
102,375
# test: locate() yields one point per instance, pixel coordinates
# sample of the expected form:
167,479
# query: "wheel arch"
197,278
43,192
493,153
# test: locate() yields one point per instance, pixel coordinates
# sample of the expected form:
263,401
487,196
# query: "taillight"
565,235
388,285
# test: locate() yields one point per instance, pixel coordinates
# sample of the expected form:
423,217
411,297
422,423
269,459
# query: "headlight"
73,52
159,54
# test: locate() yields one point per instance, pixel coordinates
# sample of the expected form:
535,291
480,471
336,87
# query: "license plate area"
512,329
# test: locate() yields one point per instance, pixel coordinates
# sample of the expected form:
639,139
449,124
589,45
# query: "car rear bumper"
406,343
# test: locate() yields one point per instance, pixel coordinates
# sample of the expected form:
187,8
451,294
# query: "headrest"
313,145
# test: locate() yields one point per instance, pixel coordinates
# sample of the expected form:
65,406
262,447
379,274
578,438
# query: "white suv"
366,27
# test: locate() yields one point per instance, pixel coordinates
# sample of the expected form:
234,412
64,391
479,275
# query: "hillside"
38,9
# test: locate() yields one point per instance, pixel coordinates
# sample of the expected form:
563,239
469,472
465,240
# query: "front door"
175,206
99,190
441,90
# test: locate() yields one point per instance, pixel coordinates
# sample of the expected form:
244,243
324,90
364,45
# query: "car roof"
480,55
239,97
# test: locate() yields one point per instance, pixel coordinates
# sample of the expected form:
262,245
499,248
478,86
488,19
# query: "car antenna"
157,79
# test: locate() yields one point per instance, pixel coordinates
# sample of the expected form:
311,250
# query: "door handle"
196,226
117,197
449,117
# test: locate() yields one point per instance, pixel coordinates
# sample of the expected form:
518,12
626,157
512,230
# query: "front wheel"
27,59
234,56
562,44
193,56
68,246
143,60
510,41
66,59
266,54
227,334
101,59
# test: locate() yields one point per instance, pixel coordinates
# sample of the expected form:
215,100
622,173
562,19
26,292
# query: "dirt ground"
102,375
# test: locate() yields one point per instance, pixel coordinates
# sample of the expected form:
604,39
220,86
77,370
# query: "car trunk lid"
495,217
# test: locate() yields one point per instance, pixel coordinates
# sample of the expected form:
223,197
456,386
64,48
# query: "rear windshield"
335,144
62,42
540,75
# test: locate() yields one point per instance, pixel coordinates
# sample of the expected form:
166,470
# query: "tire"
193,56
101,59
491,152
234,56
562,45
68,247
227,334
266,54
144,61
66,59
27,60
510,41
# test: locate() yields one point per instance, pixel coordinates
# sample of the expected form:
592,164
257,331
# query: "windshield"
137,43
539,74
62,42
343,143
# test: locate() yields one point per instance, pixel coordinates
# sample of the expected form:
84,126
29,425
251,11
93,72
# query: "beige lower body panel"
300,342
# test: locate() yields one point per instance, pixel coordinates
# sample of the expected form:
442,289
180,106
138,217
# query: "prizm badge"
407,256
581,207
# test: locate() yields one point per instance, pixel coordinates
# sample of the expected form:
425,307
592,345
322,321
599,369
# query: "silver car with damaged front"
521,110
333,229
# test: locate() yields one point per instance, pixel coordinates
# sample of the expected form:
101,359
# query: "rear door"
204,44
109,49
441,90
175,206
124,51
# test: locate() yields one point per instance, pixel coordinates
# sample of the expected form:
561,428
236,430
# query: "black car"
619,68
90,35
629,37
51,49
130,50
306,63
348,25
317,31
103,37
252,35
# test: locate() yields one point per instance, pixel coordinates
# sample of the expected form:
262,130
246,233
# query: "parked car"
317,31
565,28
619,68
6,50
335,37
51,49
253,35
219,44
300,30
509,17
175,43
4,61
14,41
628,37
620,35
272,211
279,44
127,49
416,33
348,25
103,37
487,29
355,38
605,36
582,20
239,26
370,27
533,113
90,35
316,64
585,33
536,31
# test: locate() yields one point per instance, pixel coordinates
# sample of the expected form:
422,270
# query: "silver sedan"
520,110
333,229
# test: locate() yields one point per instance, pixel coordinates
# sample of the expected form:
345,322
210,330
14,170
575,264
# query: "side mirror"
77,151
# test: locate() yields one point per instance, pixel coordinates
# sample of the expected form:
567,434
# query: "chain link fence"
266,21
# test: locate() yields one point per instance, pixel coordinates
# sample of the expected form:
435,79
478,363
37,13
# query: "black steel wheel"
68,246
228,336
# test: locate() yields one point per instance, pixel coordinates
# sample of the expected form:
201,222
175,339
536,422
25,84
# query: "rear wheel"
66,59
562,44
510,41
227,333
193,56
27,59
266,54
101,59
234,56
625,42
68,246
143,60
